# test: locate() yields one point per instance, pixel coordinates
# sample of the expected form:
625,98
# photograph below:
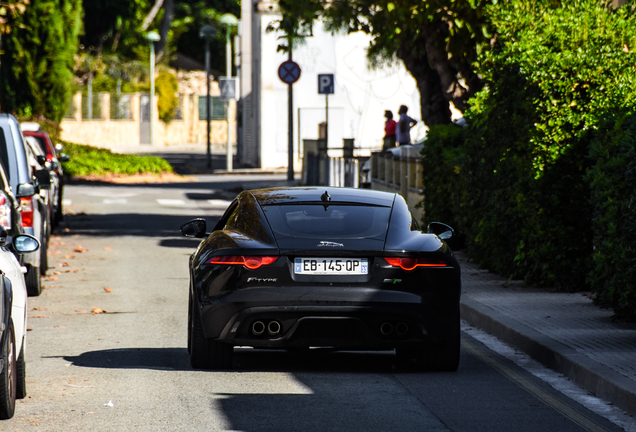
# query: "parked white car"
13,326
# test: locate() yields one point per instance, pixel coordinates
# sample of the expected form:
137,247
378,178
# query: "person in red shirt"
389,131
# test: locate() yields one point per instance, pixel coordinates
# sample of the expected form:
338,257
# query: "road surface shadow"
248,360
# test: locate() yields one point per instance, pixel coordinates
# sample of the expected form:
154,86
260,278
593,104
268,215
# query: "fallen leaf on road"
39,308
108,290
51,278
80,249
37,316
108,248
64,264
56,272
29,329
85,280
80,311
97,311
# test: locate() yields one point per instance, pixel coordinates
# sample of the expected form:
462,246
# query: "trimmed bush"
87,160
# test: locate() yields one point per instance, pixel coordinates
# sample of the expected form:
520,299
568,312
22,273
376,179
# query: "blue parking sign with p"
325,84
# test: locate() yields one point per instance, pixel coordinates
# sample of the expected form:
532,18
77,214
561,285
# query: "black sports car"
350,269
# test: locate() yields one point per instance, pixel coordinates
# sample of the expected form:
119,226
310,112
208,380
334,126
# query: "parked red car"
53,164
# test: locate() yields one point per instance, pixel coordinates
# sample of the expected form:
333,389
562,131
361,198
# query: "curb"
602,381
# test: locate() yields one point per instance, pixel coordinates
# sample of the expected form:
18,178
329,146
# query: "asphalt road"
107,346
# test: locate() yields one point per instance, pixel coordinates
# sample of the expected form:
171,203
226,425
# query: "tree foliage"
558,74
36,67
439,41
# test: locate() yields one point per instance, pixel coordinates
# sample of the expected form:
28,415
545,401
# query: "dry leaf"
65,264
108,248
79,249
39,308
80,311
51,278
97,311
37,316
85,280
56,272
108,290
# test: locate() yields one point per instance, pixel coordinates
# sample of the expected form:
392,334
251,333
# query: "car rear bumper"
346,318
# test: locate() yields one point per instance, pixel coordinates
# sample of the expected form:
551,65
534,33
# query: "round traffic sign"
289,72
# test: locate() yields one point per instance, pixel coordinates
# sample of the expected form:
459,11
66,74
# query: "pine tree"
36,64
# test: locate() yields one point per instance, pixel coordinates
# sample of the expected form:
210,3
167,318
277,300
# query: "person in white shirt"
404,125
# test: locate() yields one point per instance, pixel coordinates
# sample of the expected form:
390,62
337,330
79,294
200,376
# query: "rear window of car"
336,221
40,142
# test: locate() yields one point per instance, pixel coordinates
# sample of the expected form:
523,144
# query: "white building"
356,109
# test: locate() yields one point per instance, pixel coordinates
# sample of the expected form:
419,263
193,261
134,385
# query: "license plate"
331,266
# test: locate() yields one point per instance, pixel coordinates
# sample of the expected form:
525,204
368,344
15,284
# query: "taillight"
412,263
5,212
26,210
251,262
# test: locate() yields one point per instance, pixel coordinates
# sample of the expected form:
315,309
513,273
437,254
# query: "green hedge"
613,185
555,77
87,160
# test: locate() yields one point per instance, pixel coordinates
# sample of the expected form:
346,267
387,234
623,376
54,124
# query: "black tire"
59,212
444,356
206,353
20,371
8,377
32,280
44,256
189,322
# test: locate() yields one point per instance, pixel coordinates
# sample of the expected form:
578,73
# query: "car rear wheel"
8,377
20,371
445,356
32,280
206,353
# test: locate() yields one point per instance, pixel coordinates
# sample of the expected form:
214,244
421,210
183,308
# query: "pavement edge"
593,376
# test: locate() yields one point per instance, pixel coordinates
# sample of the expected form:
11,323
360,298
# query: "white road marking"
112,194
115,201
171,202
219,203
67,202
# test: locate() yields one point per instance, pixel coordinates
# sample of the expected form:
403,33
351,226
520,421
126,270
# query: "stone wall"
125,135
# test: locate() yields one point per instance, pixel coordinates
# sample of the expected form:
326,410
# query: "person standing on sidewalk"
404,125
389,131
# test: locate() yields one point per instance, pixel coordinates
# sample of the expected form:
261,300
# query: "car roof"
290,195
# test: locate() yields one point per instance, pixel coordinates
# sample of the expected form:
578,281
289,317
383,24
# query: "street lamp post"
152,37
207,32
228,20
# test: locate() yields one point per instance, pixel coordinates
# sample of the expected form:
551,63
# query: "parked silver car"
26,185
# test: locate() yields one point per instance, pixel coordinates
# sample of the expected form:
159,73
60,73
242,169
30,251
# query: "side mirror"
43,177
25,190
442,231
63,157
195,228
24,243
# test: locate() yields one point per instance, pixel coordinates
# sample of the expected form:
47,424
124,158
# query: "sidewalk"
566,332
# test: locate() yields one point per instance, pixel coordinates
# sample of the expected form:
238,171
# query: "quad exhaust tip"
401,329
386,329
273,328
258,328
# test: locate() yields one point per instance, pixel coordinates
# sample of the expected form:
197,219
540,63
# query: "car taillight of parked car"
5,212
411,263
26,211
